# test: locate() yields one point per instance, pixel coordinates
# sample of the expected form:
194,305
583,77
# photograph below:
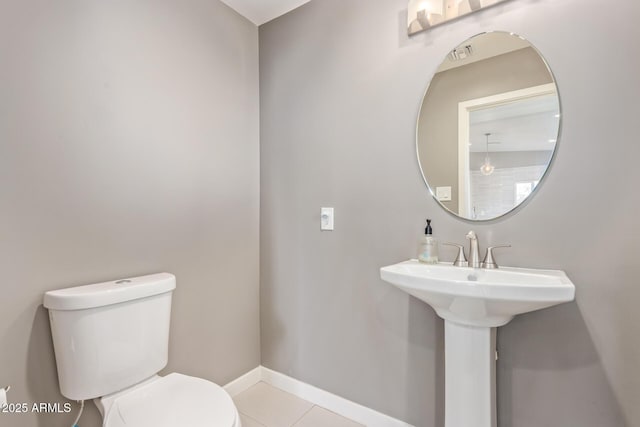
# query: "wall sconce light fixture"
424,14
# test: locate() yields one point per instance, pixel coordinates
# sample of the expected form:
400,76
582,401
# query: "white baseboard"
244,382
330,401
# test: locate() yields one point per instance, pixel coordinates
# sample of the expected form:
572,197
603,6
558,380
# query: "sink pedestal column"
470,375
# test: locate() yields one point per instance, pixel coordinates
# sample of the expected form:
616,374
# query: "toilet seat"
172,401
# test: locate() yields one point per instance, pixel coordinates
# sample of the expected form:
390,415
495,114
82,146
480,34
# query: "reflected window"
524,189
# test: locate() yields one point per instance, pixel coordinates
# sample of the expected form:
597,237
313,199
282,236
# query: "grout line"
340,416
303,415
251,418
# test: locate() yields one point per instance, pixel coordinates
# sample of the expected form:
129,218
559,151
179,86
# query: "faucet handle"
461,259
489,261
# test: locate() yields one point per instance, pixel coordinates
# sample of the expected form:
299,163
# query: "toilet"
111,339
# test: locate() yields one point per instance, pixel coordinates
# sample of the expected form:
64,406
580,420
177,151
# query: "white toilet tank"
112,335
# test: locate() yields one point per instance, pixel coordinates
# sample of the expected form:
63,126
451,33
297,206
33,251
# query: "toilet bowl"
111,339
170,401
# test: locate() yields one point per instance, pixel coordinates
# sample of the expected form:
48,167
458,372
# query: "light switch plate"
326,219
443,194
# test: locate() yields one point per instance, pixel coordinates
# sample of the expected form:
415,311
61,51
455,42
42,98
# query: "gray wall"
340,90
438,119
128,145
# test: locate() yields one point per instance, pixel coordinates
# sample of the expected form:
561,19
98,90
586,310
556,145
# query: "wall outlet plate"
326,219
443,194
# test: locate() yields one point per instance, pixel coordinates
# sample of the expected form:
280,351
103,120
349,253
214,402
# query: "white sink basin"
473,302
478,297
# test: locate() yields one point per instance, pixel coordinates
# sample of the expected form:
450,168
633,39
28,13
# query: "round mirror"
488,126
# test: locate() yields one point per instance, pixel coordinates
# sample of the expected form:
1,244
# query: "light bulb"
432,7
487,168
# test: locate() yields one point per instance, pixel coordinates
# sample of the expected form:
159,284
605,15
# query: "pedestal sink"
474,302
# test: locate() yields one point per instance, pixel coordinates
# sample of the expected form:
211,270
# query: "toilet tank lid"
107,293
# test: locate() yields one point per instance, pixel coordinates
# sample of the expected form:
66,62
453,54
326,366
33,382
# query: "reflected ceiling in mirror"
488,126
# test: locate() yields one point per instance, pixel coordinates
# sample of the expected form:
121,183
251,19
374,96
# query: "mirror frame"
553,154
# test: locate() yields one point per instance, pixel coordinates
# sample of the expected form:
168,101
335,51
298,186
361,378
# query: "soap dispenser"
428,248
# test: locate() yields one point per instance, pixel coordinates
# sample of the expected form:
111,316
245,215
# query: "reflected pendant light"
487,168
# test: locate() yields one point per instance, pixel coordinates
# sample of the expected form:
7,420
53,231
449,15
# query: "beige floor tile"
249,422
320,417
271,406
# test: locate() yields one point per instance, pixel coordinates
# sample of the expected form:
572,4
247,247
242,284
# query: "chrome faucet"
474,250
489,261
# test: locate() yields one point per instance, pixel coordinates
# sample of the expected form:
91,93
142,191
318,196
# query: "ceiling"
525,125
487,46
261,11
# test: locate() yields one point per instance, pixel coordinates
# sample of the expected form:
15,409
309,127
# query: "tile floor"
265,406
